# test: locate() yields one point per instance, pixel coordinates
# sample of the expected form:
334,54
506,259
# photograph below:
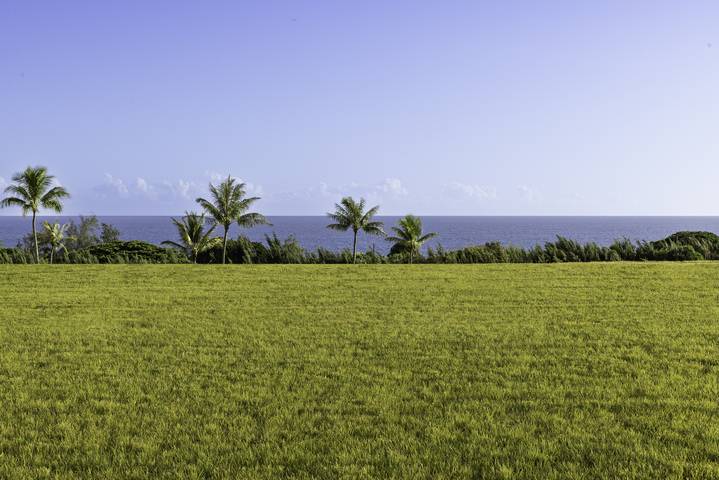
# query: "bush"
15,256
622,249
133,251
240,250
278,251
706,244
322,255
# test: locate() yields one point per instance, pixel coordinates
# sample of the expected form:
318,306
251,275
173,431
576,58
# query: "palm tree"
31,191
409,237
350,214
193,237
55,234
229,205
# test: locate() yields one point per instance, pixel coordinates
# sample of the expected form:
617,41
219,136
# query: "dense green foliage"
16,255
88,231
112,252
194,237
132,252
83,234
108,233
681,246
596,371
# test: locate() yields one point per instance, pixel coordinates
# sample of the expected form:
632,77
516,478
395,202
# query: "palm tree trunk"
52,252
34,235
410,257
354,248
224,245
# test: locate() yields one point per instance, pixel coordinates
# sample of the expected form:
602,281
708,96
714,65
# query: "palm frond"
55,193
213,211
12,202
401,234
338,226
18,190
53,204
206,237
371,212
374,228
244,204
428,237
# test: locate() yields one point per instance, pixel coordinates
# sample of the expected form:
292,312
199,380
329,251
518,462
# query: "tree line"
35,189
90,241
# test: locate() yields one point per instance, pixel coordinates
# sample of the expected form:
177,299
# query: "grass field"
458,371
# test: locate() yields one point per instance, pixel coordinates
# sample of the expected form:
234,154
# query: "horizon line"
384,215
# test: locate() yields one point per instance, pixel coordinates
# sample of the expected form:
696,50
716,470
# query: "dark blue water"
454,232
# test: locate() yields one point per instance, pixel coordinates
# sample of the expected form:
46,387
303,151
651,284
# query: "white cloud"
393,186
390,186
142,185
181,188
167,188
471,190
116,184
164,190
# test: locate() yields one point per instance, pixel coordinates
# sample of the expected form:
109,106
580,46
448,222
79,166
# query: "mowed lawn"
453,371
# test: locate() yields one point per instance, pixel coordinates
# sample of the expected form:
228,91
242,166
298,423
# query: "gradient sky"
446,107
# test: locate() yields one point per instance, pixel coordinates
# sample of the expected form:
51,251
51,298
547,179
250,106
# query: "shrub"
680,246
15,256
239,250
278,251
133,251
705,244
623,249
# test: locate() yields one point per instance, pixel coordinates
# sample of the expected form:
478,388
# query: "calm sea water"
454,232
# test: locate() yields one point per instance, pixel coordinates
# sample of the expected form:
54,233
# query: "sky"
431,107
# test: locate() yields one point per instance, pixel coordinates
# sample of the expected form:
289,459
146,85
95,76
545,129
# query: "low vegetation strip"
598,370
680,246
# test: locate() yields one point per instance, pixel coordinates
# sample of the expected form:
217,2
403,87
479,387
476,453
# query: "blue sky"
458,108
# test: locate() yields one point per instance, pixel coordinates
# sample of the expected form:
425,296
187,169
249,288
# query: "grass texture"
584,371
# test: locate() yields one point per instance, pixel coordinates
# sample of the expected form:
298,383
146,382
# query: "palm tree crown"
32,190
193,237
409,238
350,214
227,205
55,234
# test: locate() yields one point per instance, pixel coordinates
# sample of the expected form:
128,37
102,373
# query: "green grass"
457,371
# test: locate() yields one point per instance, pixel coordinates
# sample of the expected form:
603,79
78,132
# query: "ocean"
454,232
